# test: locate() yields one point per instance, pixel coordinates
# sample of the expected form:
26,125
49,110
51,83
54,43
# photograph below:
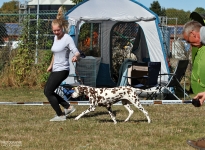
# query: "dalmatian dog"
107,96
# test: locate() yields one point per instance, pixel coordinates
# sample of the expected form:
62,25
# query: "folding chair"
148,81
169,88
135,71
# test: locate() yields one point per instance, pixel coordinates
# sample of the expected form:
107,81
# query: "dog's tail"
147,90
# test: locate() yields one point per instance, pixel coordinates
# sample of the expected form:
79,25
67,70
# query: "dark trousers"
54,80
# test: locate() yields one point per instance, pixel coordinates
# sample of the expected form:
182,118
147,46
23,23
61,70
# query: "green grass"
171,126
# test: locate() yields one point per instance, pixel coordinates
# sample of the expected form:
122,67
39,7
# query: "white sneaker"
58,118
69,110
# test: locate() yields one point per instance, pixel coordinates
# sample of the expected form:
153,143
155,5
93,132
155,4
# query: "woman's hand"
74,58
49,69
51,64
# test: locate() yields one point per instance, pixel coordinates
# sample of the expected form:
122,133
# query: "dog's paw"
126,120
76,118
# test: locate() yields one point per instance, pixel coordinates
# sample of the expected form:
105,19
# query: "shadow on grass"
94,114
99,113
121,121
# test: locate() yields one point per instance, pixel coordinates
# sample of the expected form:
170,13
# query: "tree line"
181,15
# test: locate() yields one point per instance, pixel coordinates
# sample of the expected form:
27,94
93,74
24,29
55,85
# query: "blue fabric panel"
103,78
72,31
122,81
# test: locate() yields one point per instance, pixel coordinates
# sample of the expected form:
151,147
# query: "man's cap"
198,17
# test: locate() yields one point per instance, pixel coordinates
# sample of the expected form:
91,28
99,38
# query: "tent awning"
125,10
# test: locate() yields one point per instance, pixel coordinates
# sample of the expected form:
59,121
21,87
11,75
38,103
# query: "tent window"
122,38
89,39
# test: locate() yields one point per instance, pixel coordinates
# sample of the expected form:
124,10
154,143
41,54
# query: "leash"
77,74
79,78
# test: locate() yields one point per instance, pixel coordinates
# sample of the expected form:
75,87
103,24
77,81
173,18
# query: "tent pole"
91,36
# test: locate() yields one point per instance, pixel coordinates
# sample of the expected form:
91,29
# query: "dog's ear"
74,87
81,89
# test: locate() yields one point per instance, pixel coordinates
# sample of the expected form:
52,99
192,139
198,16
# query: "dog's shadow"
118,120
95,113
99,113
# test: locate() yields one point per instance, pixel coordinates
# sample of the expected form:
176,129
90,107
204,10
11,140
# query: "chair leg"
170,94
152,96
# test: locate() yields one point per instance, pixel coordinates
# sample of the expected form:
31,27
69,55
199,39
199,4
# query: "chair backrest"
138,69
136,63
153,73
178,73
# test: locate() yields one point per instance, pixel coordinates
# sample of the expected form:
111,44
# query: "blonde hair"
60,19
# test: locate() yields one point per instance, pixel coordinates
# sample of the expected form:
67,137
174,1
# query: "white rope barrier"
143,102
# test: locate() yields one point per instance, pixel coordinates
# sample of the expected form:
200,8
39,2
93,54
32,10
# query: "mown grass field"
30,129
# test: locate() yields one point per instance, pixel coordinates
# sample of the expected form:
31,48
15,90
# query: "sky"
186,5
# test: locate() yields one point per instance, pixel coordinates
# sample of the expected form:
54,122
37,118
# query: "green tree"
155,7
176,16
4,55
200,10
12,6
3,33
9,7
76,1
